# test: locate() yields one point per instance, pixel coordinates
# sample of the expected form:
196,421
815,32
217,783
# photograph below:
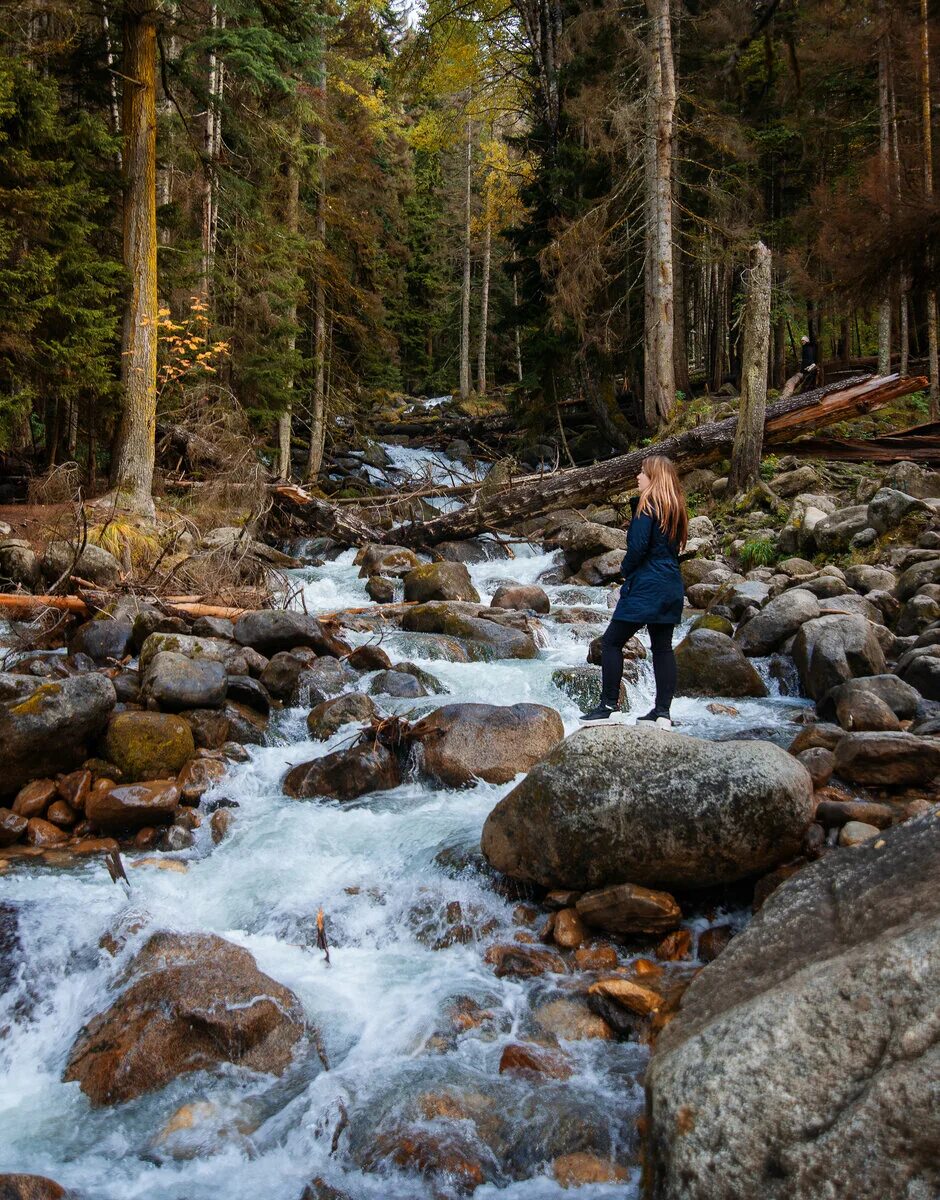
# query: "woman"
652,592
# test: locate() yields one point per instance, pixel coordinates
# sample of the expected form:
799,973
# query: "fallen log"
13,607
921,448
325,518
785,420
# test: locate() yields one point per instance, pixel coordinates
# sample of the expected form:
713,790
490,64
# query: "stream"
384,869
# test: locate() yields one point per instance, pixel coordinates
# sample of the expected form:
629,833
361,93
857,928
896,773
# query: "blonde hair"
665,499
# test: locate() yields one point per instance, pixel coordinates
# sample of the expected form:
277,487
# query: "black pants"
617,635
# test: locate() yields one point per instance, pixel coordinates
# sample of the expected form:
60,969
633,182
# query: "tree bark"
132,469
318,409
884,165
465,289
484,308
659,391
926,113
291,221
749,434
212,144
518,337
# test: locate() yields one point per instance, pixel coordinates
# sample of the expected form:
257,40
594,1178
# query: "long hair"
665,499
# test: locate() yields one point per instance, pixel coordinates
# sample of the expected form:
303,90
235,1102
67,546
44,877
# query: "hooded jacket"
652,591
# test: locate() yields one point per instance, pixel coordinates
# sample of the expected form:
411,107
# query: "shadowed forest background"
281,211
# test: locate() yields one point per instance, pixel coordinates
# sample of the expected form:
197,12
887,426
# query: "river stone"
776,621
440,581
369,658
583,686
194,1001
830,650
174,682
603,568
148,745
271,630
12,826
889,507
629,908
586,539
887,759
344,774
833,534
321,680
93,563
916,576
711,664
638,804
31,1187
483,638
397,683
330,716
102,639
461,743
133,805
380,589
19,564
204,649
920,668
51,728
804,1061
393,561
283,670
901,699
524,598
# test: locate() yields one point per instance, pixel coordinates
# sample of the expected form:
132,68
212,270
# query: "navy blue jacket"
652,589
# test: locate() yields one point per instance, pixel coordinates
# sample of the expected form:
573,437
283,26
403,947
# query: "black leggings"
617,635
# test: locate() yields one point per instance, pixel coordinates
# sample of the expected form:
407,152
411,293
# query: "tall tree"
755,357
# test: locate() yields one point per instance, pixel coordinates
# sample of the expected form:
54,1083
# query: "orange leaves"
186,349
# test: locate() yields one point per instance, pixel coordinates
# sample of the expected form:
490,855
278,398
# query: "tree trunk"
465,290
884,165
933,366
132,468
318,411
515,304
212,143
291,221
749,435
484,309
113,103
659,390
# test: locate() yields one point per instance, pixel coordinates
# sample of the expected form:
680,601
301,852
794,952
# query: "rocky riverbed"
485,1018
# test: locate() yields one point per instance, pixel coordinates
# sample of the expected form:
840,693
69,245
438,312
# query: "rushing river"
376,868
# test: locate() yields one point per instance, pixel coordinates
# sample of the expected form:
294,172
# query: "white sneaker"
663,723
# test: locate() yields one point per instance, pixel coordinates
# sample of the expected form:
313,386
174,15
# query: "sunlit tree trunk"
465,289
318,412
132,468
212,144
884,163
659,376
291,222
928,192
484,308
749,434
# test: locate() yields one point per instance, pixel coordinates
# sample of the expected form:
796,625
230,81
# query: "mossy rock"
713,621
146,745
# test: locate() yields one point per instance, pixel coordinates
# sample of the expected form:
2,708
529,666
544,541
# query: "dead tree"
749,434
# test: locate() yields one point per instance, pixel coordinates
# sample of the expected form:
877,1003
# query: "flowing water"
384,869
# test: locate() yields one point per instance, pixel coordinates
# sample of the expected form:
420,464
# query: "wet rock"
820,763
714,941
321,680
713,621
472,551
133,806
12,826
440,581
44,833
776,621
629,908
580,1169
31,1187
397,683
833,534
245,726
61,814
586,539
318,1189
528,1057
177,837
210,728
521,598
369,658
523,962
93,563
330,716
569,931
450,1157
51,728
33,799
173,682
392,561
345,774
145,745
830,650
485,638
854,833
283,670
862,709
198,777
461,743
381,590
220,824
596,958
633,996
834,812
687,813
819,733
250,693
816,1034
675,946
572,1021
272,630
710,663
102,639
583,686
194,1001
887,759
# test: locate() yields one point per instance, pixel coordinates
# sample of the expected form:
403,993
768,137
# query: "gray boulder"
174,683
803,1062
709,663
640,805
913,479
461,743
921,669
52,728
830,650
483,637
586,539
201,649
19,564
889,507
523,598
271,630
833,534
327,718
916,576
865,578
93,563
888,759
393,561
397,683
440,581
776,621
102,639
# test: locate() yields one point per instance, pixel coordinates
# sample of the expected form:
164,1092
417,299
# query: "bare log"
749,434
699,447
326,518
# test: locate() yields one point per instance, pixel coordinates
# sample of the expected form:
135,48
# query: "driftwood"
785,420
16,606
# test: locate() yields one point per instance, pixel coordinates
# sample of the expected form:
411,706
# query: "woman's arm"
638,543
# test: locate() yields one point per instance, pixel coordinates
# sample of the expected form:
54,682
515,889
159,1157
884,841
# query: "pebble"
855,833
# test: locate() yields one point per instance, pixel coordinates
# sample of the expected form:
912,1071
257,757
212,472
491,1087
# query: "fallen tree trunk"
326,519
13,607
785,420
921,444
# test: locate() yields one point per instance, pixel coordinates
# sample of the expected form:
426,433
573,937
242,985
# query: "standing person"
808,361
652,592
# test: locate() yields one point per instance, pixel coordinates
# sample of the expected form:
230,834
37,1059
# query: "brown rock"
147,838
31,1187
570,931
887,759
210,727
855,833
675,946
61,814
330,716
713,940
865,710
564,898
369,658
12,826
523,962
195,1001
721,710
416,1149
519,1056
767,885
817,734
197,777
44,833
133,805
344,774
33,799
580,1169
220,823
524,598
572,1021
466,742
596,958
820,763
629,908
317,1189
836,813
74,788
636,997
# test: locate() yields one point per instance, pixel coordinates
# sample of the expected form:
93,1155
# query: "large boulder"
709,663
776,621
203,649
440,581
888,508
102,639
829,650
912,479
803,1062
174,683
330,716
920,668
586,539
31,1187
484,638
833,534
640,805
51,728
521,597
461,743
916,576
133,805
887,759
194,1001
344,774
93,563
393,561
271,630
19,564
149,745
